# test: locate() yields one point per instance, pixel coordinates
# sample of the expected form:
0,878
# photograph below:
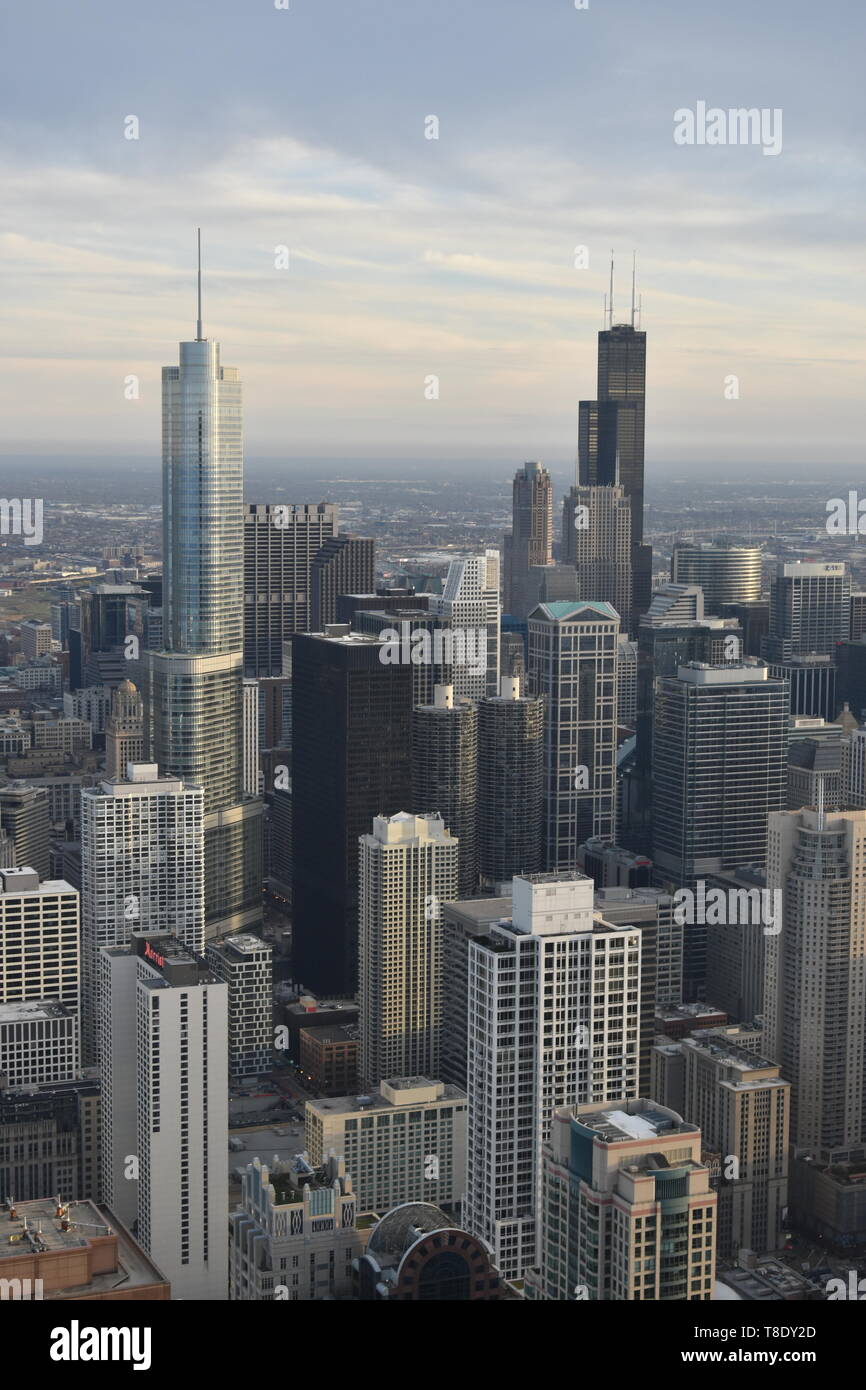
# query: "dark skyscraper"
611,433
344,565
445,773
351,756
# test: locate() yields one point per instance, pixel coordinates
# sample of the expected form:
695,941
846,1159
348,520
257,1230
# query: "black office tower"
351,761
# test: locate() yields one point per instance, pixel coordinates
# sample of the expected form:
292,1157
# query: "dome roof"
127,688
404,1225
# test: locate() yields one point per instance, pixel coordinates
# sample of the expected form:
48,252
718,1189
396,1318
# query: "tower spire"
610,301
633,263
199,336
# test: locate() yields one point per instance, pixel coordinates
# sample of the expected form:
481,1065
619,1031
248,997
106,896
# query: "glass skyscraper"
193,688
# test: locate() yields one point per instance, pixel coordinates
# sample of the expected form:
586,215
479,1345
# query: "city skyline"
410,257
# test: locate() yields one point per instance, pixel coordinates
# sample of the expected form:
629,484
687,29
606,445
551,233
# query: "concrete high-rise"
510,783
343,565
553,1019
124,730
351,761
164,1023
470,599
596,539
445,774
193,689
628,1213
815,1000
741,1105
142,869
280,544
572,663
530,541
245,963
408,868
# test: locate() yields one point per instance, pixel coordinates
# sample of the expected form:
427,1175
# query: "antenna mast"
199,336
610,306
633,261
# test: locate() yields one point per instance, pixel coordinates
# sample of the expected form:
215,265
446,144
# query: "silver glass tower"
194,687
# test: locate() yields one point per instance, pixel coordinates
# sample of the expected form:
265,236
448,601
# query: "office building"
736,949
294,1237
49,1140
445,774
342,565
510,782
39,940
812,682
470,599
351,761
810,609
719,769
329,1058
36,638
404,1143
529,544
193,687
124,730
24,816
408,868
553,1019
244,963
250,739
628,1213
38,1043
596,540
741,1105
422,640
280,544
725,573
572,664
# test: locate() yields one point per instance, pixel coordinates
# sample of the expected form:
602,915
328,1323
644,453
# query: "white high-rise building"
164,1018
554,1019
815,1001
408,868
142,868
470,599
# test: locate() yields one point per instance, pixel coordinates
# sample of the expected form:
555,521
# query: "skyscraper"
351,761
611,433
470,599
628,1212
124,730
815,1001
24,817
510,783
720,754
445,774
343,565
194,688
408,868
280,544
530,542
596,539
726,573
572,663
552,1020
142,869
810,609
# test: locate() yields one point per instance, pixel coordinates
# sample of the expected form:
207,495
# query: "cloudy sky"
410,257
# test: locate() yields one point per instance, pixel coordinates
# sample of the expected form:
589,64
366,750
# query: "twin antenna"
608,299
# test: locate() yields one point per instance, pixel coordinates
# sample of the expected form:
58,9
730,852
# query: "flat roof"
352,1105
87,1220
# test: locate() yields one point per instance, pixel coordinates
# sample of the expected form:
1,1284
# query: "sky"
453,258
